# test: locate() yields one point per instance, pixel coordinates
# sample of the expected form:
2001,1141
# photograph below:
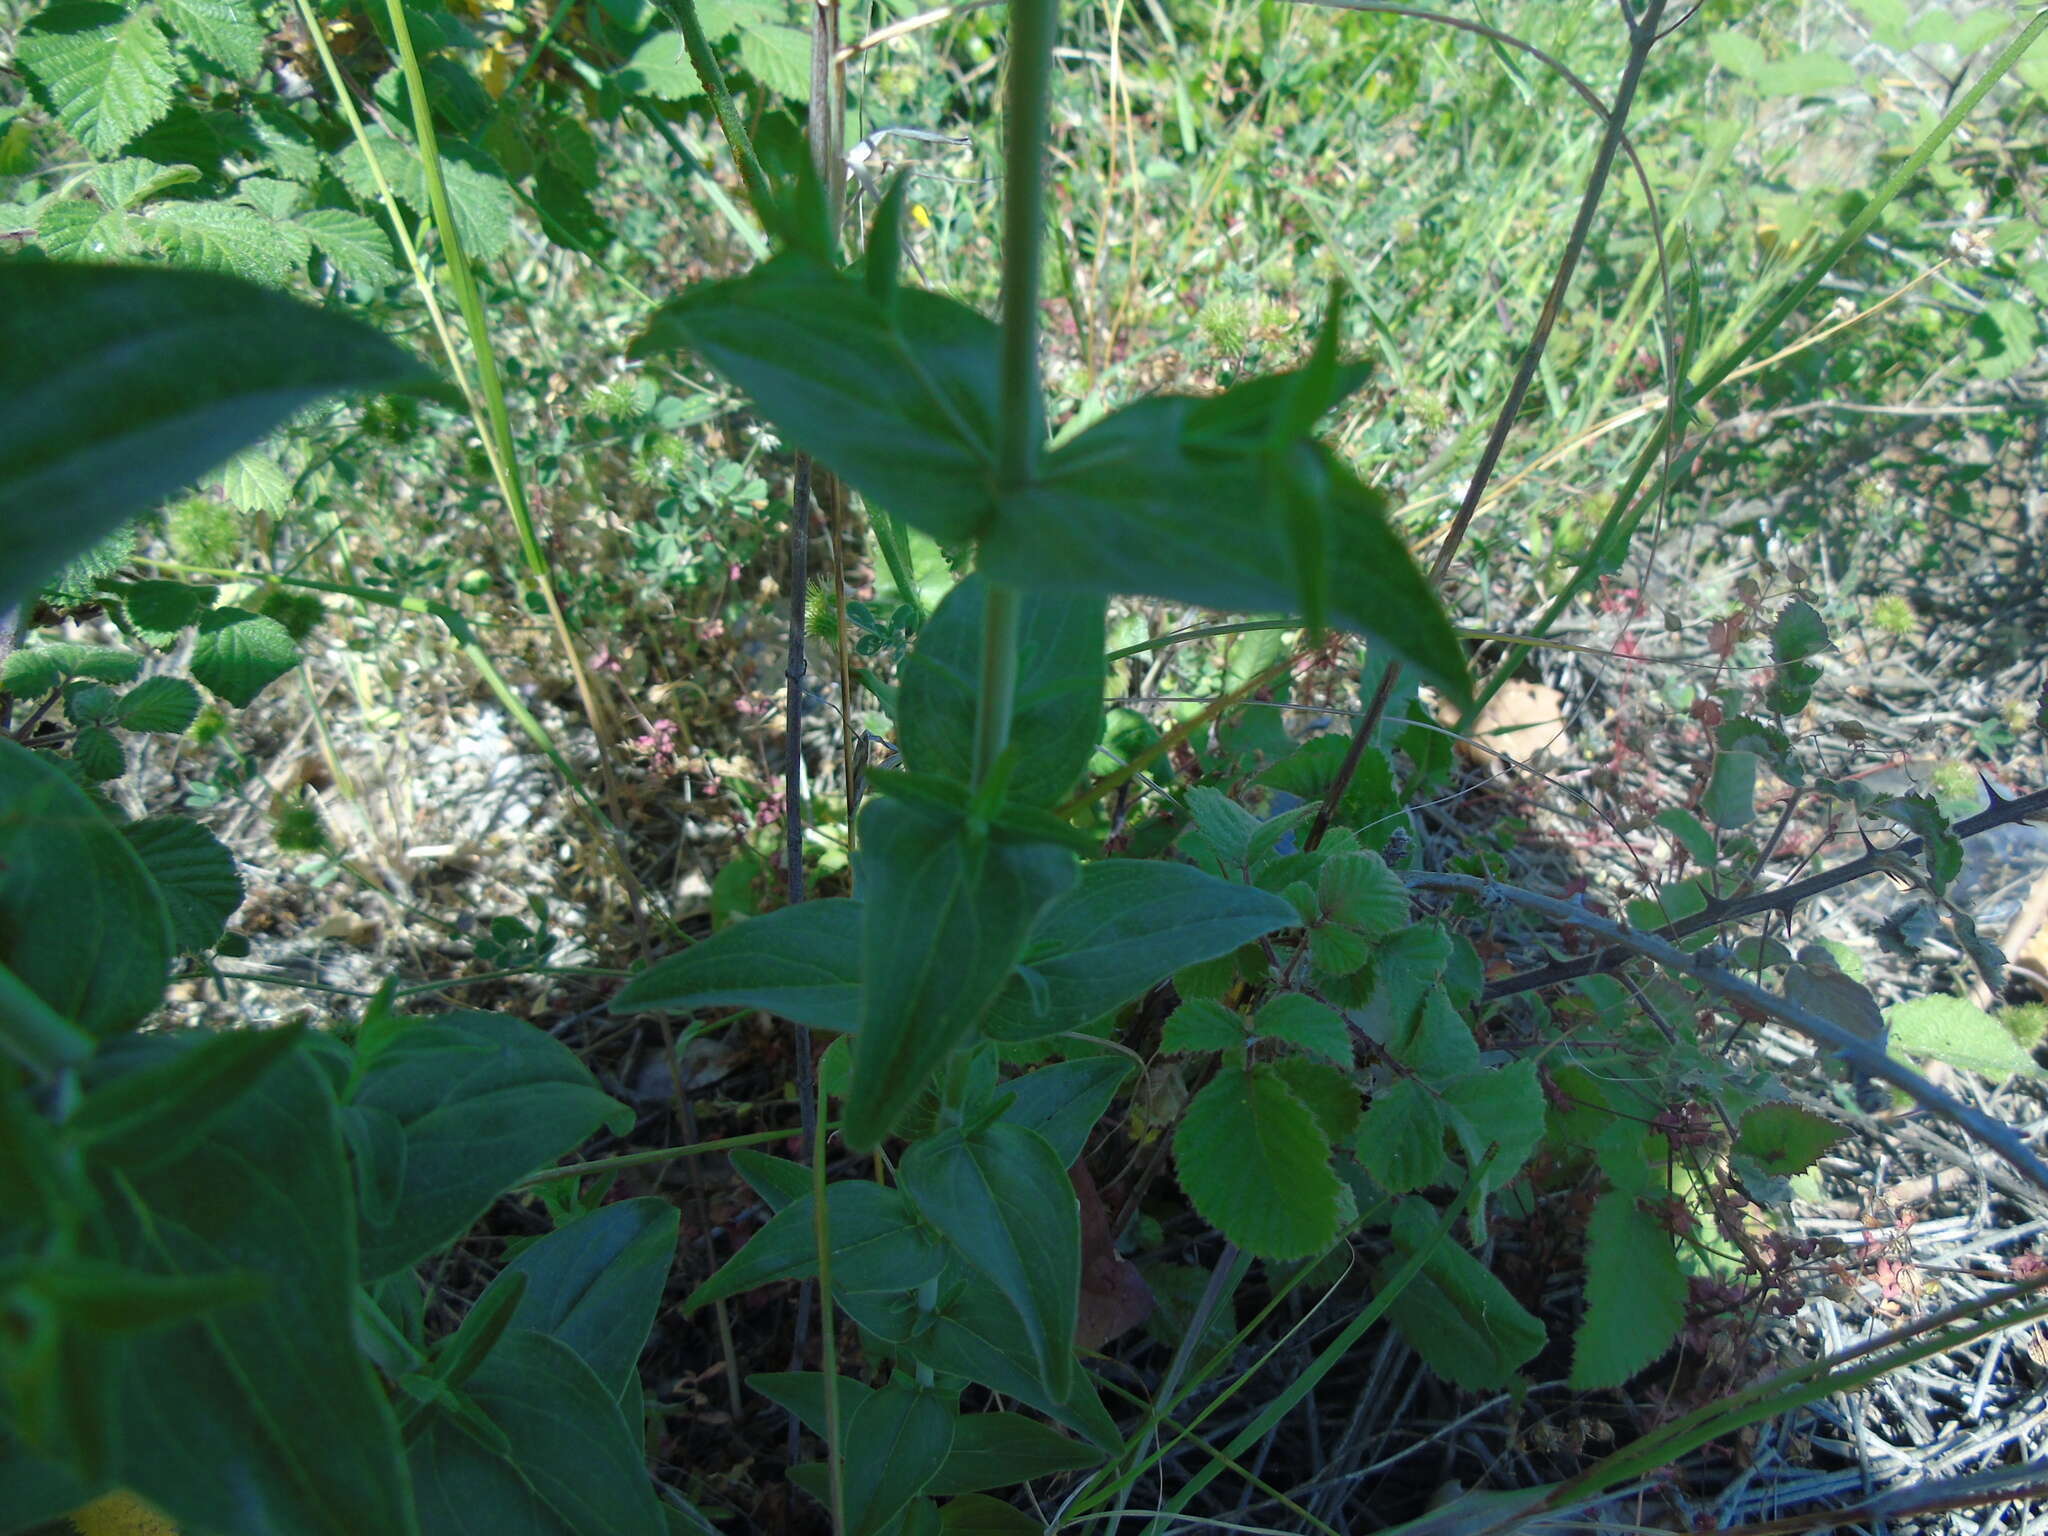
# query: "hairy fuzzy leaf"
1255,1161
104,69
238,653
195,873
1635,1294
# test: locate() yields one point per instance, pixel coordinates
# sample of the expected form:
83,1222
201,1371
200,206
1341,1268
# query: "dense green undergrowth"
456,322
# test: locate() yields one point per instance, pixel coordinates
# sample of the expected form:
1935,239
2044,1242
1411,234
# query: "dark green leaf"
1301,1020
81,923
1456,1315
975,1334
272,1407
482,1099
1125,926
570,1463
1002,1197
980,1515
901,403
800,962
1000,1450
775,1179
946,919
896,1441
161,1110
193,871
1058,714
1167,498
165,706
803,1394
99,754
595,1284
119,385
877,1245
1064,1101
238,654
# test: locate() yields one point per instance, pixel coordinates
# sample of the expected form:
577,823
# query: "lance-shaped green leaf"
119,385
1168,497
1126,925
1000,1450
595,1284
481,1099
900,401
1001,1195
877,1245
896,1442
801,963
161,1109
975,1334
1062,1102
540,1447
1464,1323
1058,715
947,914
272,1406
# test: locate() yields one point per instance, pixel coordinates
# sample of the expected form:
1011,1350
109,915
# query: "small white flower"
1970,245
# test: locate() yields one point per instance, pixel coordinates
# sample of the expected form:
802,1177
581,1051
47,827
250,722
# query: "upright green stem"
467,297
705,62
1020,424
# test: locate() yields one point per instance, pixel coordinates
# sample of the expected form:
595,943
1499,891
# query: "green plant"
1042,891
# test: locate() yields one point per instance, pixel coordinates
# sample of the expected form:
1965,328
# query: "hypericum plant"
210,1242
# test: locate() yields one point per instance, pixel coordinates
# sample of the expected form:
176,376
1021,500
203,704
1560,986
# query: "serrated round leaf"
105,70
1958,1033
164,706
229,239
779,57
1254,1160
1785,1139
357,246
479,197
1201,1024
1302,1021
195,873
660,67
238,653
1401,1140
252,481
1359,891
98,754
1635,1294
119,385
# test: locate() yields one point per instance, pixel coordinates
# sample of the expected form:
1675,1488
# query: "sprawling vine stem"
1704,968
2001,812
